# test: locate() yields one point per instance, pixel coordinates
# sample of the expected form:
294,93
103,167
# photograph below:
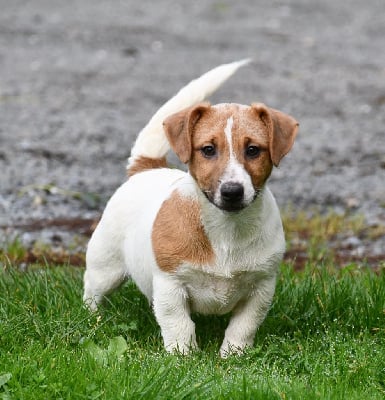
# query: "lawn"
324,338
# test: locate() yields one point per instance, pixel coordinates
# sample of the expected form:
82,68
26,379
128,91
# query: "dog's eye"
209,151
252,151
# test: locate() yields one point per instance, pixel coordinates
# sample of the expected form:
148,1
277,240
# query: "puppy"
206,241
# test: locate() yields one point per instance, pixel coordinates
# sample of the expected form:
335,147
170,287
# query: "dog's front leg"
170,300
246,318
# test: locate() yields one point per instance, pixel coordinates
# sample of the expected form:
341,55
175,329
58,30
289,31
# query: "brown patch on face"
145,163
209,131
178,235
249,131
271,131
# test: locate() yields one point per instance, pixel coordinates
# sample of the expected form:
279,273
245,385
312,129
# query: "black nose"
232,192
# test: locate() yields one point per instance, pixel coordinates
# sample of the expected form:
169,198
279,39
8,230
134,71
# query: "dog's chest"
211,293
234,276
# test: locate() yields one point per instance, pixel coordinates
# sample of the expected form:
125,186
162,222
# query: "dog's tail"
151,146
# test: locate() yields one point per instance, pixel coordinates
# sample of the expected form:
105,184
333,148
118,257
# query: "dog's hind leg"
105,272
100,282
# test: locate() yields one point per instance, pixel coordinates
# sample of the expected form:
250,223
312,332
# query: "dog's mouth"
228,205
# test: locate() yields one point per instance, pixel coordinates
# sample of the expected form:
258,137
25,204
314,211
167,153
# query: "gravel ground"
79,79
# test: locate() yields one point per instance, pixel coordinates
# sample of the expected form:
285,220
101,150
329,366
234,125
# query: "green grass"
324,338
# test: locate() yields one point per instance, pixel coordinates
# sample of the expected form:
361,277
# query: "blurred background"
79,79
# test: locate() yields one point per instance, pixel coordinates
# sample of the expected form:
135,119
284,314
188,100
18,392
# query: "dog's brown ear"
282,130
179,127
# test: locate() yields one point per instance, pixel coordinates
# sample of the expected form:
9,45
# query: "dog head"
230,148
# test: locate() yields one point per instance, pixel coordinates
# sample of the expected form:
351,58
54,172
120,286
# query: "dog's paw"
91,303
232,349
182,348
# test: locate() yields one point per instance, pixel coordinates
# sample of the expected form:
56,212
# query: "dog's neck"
228,226
231,227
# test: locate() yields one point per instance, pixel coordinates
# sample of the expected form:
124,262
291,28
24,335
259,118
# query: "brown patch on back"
145,163
178,235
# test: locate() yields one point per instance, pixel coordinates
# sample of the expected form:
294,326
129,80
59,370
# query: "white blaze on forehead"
229,134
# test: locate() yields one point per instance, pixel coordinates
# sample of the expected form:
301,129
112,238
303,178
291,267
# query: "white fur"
248,246
229,135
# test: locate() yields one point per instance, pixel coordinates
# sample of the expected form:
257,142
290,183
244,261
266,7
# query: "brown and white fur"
209,240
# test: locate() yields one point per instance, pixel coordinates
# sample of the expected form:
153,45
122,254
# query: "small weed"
12,251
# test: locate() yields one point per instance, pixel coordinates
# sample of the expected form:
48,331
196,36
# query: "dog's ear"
282,130
178,128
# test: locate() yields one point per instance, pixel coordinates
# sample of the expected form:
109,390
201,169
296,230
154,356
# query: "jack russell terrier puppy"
209,240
